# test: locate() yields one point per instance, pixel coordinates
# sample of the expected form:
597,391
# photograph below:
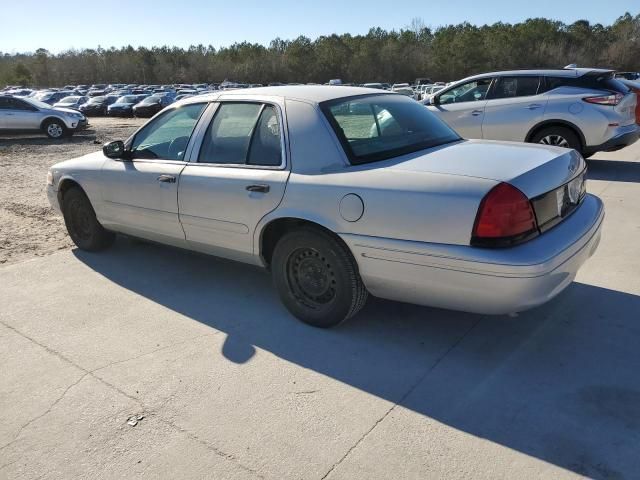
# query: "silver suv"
585,109
28,114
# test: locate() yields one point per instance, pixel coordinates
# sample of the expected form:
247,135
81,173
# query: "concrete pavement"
228,385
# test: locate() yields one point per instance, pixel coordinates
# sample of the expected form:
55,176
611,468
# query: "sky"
182,23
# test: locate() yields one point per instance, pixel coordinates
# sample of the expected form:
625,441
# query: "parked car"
51,97
151,105
123,106
375,85
413,213
97,106
29,114
73,102
634,86
580,108
628,75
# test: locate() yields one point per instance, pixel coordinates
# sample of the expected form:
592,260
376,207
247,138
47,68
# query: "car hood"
534,169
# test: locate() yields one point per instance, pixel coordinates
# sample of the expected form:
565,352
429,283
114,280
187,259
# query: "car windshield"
69,100
36,103
150,100
126,99
377,127
97,99
43,96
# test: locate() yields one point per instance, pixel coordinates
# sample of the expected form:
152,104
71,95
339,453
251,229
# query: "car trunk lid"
532,168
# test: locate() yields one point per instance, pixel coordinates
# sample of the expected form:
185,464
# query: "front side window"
377,127
511,87
167,136
243,133
473,91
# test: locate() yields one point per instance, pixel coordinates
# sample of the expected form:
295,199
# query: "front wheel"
82,224
317,278
55,129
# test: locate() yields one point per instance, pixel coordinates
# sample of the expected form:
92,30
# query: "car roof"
309,93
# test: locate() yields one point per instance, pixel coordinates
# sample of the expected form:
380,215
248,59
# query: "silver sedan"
341,192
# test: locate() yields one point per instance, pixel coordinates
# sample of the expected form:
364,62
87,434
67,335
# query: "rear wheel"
317,278
55,129
82,224
558,137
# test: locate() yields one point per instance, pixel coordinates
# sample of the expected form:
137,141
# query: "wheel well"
557,123
64,187
48,119
275,230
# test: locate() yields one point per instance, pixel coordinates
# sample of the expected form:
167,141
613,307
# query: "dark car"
97,105
123,107
152,105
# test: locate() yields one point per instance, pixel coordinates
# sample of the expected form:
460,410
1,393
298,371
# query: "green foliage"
446,53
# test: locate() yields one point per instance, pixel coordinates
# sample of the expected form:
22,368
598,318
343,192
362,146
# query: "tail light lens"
505,218
613,99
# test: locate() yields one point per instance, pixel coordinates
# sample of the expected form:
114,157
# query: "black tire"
55,129
559,137
82,224
317,278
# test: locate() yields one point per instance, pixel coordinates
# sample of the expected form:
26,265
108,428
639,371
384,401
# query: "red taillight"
505,217
613,99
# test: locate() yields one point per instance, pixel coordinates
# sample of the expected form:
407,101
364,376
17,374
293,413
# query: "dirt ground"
28,225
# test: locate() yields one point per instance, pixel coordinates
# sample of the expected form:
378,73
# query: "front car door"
462,106
237,174
20,115
140,195
514,106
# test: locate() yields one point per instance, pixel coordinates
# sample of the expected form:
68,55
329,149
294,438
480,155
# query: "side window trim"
208,117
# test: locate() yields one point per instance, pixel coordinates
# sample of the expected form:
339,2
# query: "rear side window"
243,133
604,81
511,87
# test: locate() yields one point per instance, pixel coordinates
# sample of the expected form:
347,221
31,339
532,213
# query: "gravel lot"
30,228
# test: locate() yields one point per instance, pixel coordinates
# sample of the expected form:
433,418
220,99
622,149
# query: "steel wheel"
82,224
317,277
555,140
311,278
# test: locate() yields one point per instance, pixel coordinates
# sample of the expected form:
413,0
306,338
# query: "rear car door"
514,106
140,196
462,106
237,174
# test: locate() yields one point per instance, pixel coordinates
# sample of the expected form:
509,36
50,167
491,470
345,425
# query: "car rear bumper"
480,280
627,135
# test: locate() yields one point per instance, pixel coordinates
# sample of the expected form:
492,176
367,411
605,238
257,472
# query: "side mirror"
115,150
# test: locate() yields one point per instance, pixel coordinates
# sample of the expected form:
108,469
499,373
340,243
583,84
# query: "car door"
236,176
514,106
140,195
21,115
462,106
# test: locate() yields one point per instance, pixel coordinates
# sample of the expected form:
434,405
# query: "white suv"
584,109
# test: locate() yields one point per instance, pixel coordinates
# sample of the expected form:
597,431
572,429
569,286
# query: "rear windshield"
377,127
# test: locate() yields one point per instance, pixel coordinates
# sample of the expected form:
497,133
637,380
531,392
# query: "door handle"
475,113
167,179
258,188
533,106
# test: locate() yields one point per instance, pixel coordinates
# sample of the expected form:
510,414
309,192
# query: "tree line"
444,53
